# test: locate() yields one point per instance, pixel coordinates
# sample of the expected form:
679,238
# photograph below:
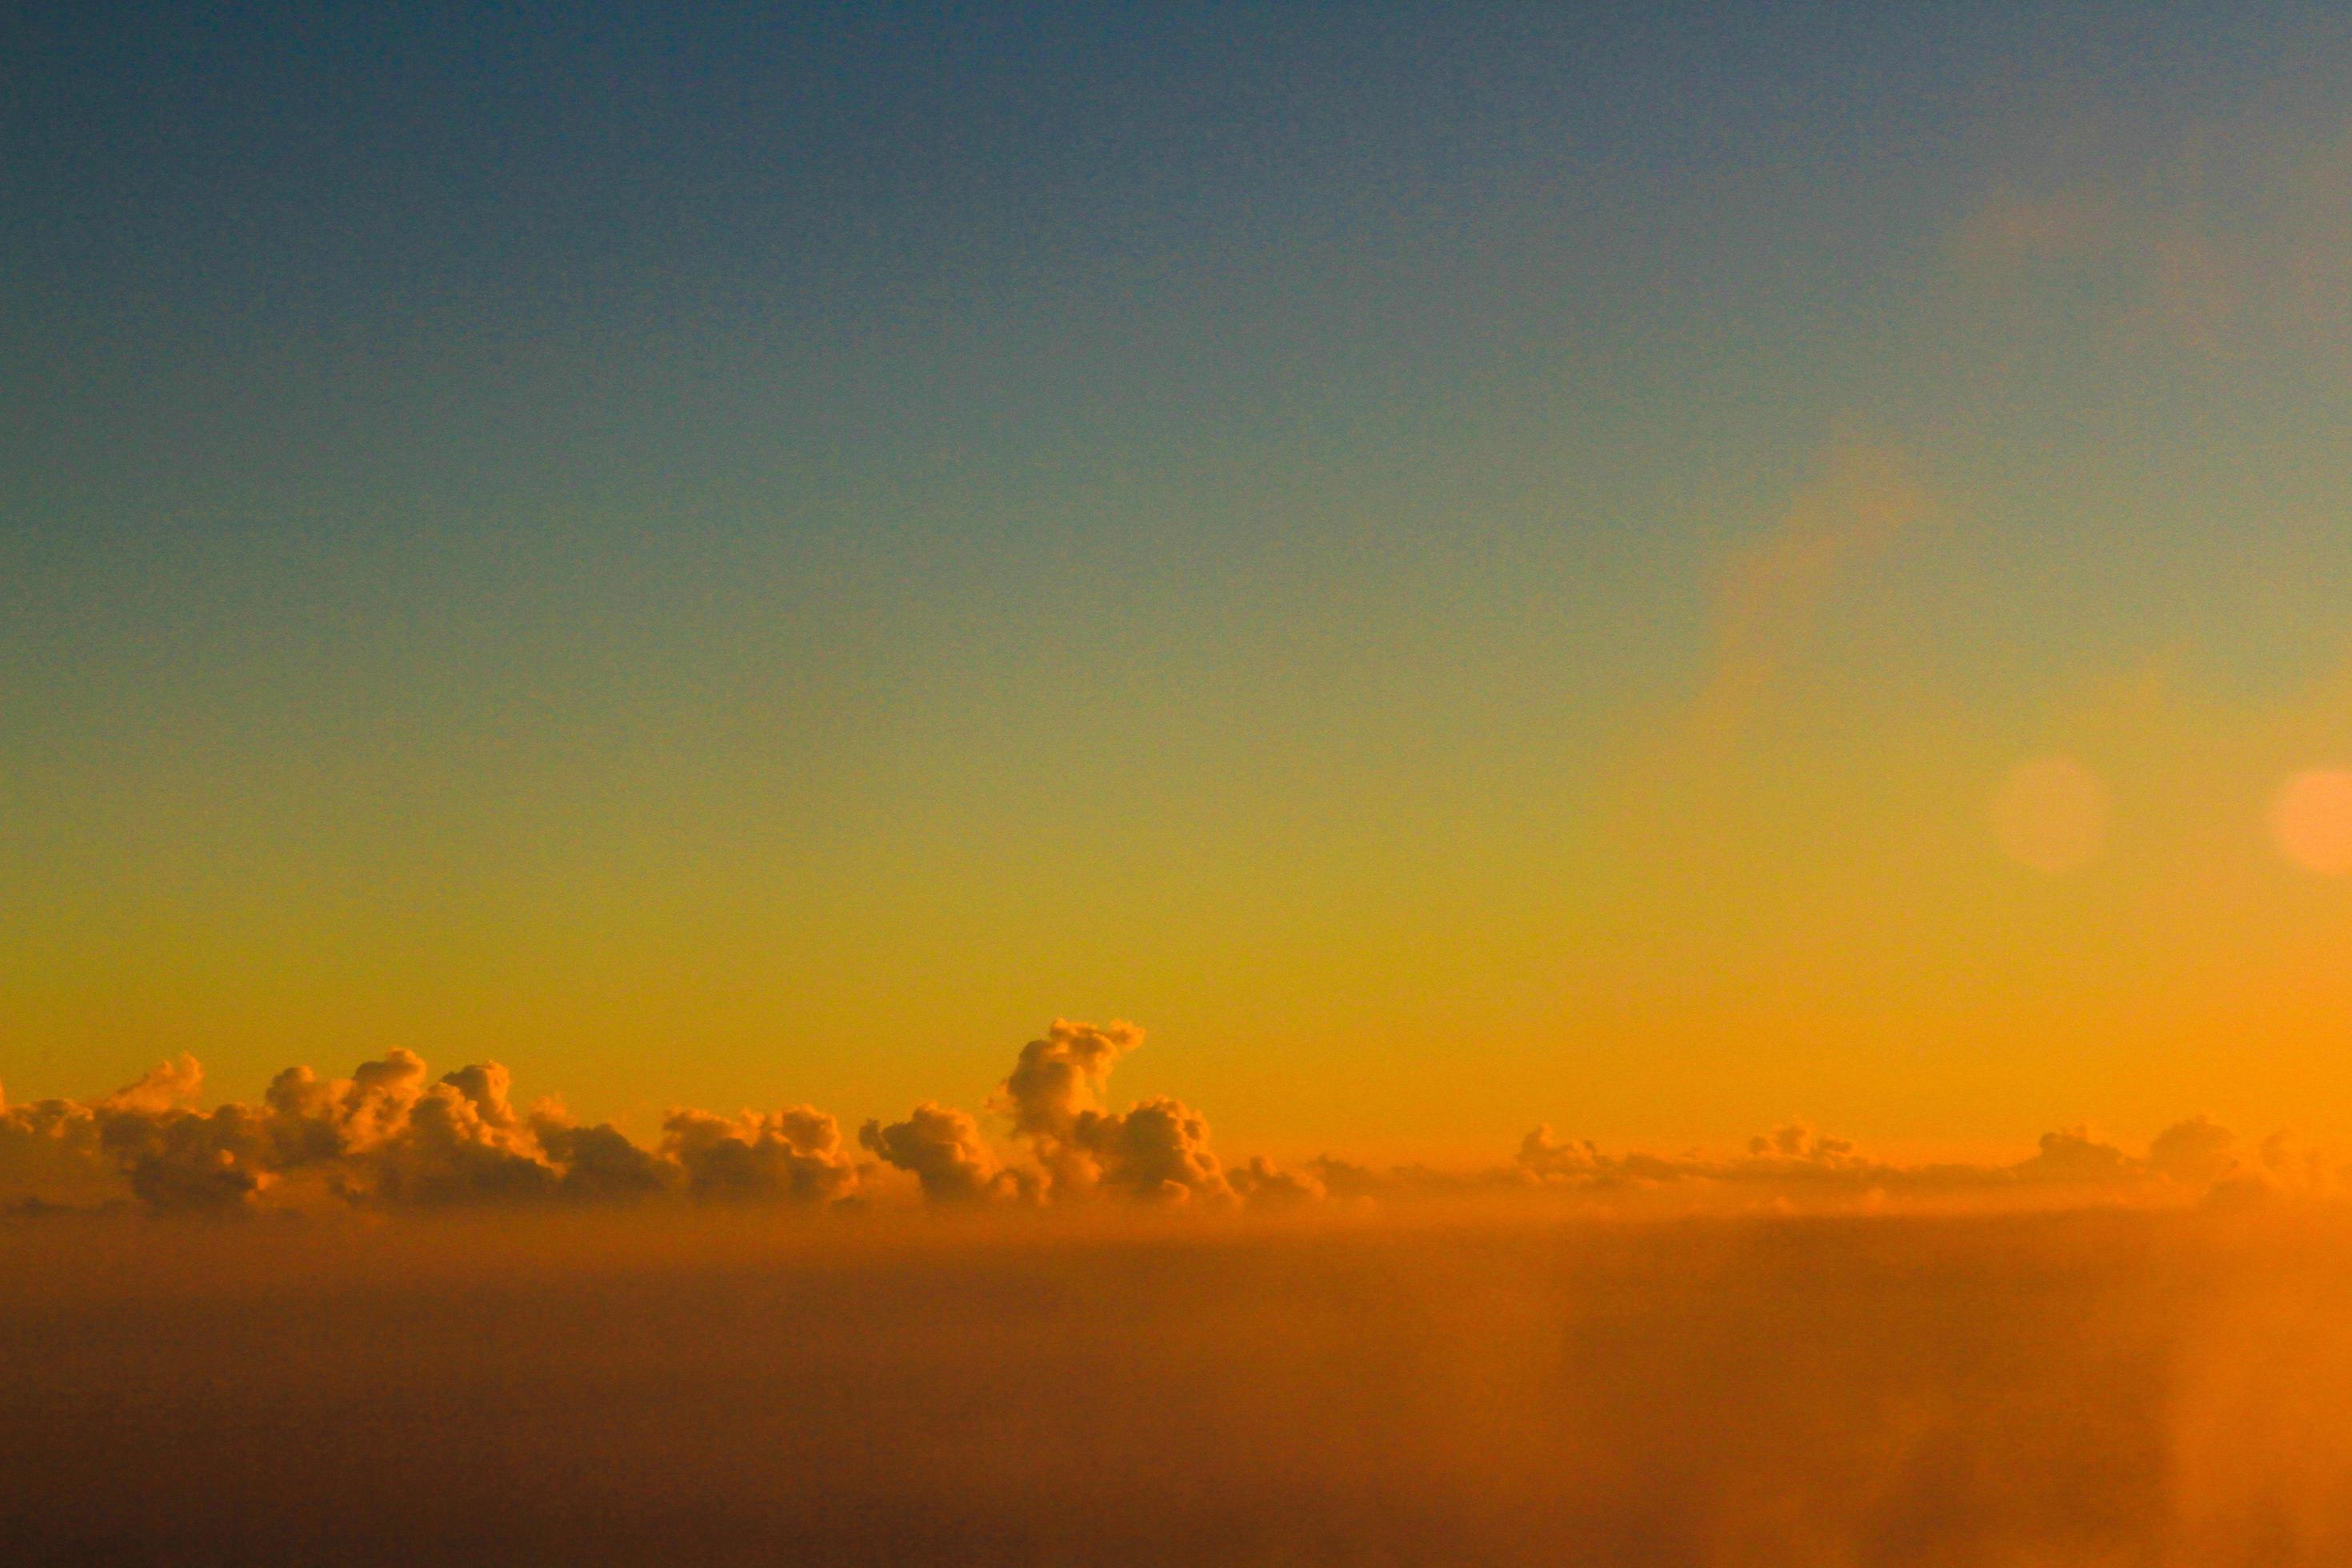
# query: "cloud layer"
2086,1388
392,1136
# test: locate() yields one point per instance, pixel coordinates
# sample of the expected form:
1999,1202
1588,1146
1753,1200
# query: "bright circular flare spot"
2312,819
2050,814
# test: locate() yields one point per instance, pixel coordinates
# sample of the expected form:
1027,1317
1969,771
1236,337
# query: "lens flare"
2311,820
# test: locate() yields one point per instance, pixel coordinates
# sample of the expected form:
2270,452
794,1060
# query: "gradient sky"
1461,567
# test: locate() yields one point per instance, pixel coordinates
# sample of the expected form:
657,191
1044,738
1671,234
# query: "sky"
1655,570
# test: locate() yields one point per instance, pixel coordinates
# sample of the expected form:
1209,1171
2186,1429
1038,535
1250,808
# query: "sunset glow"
1204,720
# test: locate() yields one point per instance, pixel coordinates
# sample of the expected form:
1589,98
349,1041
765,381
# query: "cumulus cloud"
140,1140
392,1136
1545,1157
599,1164
1261,1184
159,1089
48,1154
942,1147
2072,1154
2195,1153
1055,1088
1157,1150
796,1155
386,1135
1052,1103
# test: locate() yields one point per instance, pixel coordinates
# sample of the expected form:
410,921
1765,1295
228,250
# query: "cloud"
2196,1153
2231,237
159,1089
599,1164
1057,1086
137,1141
1798,1163
47,1153
384,1136
392,1136
2196,1156
1770,595
942,1147
796,1155
1158,1149
1263,1185
1545,1157
2066,1388
2072,1154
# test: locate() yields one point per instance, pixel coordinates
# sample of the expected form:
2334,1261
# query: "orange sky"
1454,598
